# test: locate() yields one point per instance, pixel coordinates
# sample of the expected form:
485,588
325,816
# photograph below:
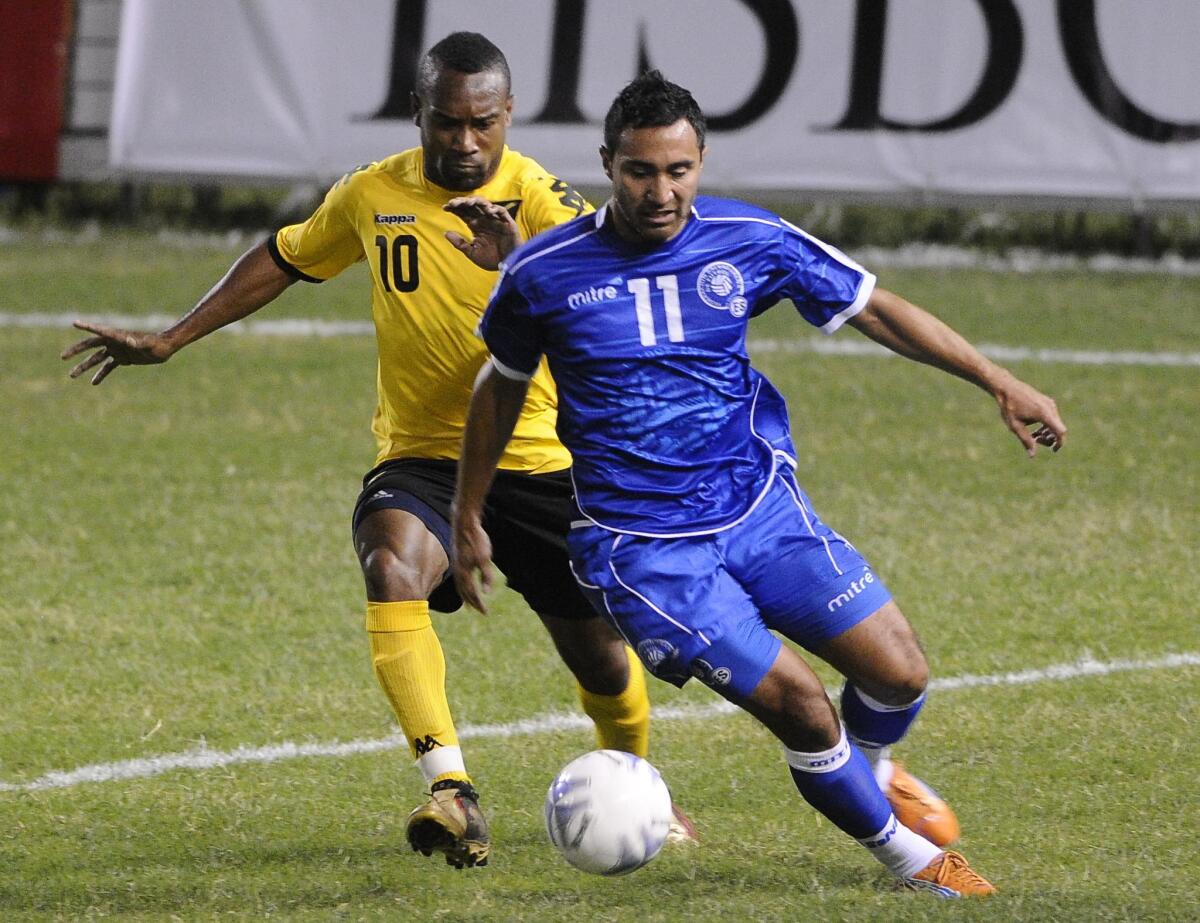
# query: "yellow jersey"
427,298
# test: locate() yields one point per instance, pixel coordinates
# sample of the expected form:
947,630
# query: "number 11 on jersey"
669,286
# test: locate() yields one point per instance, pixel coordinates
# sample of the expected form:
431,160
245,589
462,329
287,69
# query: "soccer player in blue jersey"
693,534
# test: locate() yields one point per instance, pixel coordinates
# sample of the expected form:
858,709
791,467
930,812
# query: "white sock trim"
876,705
441,760
902,851
826,761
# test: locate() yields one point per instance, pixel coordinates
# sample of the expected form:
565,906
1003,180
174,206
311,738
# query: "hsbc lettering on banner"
1078,98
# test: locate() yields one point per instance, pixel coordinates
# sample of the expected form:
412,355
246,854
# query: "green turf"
177,572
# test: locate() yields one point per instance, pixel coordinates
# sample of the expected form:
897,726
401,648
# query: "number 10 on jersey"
669,286
402,276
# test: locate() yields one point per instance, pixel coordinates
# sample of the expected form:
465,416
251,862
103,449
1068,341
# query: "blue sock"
873,724
839,783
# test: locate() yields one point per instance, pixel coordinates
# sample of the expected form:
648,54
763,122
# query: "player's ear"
508,108
606,159
414,102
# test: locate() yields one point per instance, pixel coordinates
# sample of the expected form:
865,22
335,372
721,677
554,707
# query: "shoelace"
956,863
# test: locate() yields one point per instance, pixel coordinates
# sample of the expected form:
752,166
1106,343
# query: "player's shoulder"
530,179
556,241
716,211
524,171
402,168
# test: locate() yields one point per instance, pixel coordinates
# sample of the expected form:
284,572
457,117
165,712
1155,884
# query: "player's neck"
616,222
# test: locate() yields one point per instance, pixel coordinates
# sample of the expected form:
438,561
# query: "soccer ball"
608,812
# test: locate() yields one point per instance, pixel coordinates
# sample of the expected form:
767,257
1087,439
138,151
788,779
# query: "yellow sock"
623,720
411,669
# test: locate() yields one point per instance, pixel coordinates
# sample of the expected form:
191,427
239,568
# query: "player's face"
464,120
655,175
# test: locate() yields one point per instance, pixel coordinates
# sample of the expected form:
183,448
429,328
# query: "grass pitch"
177,577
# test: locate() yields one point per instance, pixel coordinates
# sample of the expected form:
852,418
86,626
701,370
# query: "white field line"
202,758
915,255
299,327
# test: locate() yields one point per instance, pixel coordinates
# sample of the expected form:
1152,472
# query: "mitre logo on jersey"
395,219
593,295
721,286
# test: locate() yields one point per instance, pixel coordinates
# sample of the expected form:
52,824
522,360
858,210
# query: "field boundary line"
823,346
914,255
201,758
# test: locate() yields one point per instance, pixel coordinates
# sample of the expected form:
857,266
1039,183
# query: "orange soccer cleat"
949,875
919,808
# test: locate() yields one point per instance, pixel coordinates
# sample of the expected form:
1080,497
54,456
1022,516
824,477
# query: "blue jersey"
671,431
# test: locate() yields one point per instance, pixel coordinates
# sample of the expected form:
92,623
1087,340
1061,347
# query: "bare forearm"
251,282
906,329
495,406
911,332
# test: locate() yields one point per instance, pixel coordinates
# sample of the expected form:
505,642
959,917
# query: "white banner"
1094,99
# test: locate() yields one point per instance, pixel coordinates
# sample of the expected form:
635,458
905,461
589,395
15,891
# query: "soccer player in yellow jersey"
403,217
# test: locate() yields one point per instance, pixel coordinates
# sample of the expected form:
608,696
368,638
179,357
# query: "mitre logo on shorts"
395,219
856,587
720,285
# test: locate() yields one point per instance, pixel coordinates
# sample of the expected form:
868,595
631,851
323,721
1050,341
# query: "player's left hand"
495,232
471,564
1022,406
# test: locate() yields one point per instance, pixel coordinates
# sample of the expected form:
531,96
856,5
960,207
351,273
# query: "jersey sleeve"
509,330
326,243
548,202
826,286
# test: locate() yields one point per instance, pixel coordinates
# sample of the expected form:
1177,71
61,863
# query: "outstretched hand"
495,232
1023,406
471,564
115,346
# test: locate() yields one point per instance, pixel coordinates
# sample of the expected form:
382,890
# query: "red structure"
33,65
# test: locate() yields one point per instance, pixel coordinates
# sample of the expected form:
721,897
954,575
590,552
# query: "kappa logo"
720,285
512,206
395,219
424,746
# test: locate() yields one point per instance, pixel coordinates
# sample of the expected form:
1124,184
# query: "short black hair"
465,52
651,101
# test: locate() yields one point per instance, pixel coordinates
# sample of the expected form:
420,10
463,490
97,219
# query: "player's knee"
801,716
390,577
602,668
904,684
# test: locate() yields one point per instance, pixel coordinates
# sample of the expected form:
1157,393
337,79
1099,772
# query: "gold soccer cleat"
949,875
919,808
450,822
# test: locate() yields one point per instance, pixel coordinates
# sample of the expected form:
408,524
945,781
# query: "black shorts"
526,516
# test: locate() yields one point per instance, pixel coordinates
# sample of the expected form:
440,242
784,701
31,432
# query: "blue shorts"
706,606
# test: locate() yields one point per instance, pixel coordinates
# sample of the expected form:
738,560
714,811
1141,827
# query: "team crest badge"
720,285
653,651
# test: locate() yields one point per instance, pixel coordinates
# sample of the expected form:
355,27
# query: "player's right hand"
471,563
113,347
